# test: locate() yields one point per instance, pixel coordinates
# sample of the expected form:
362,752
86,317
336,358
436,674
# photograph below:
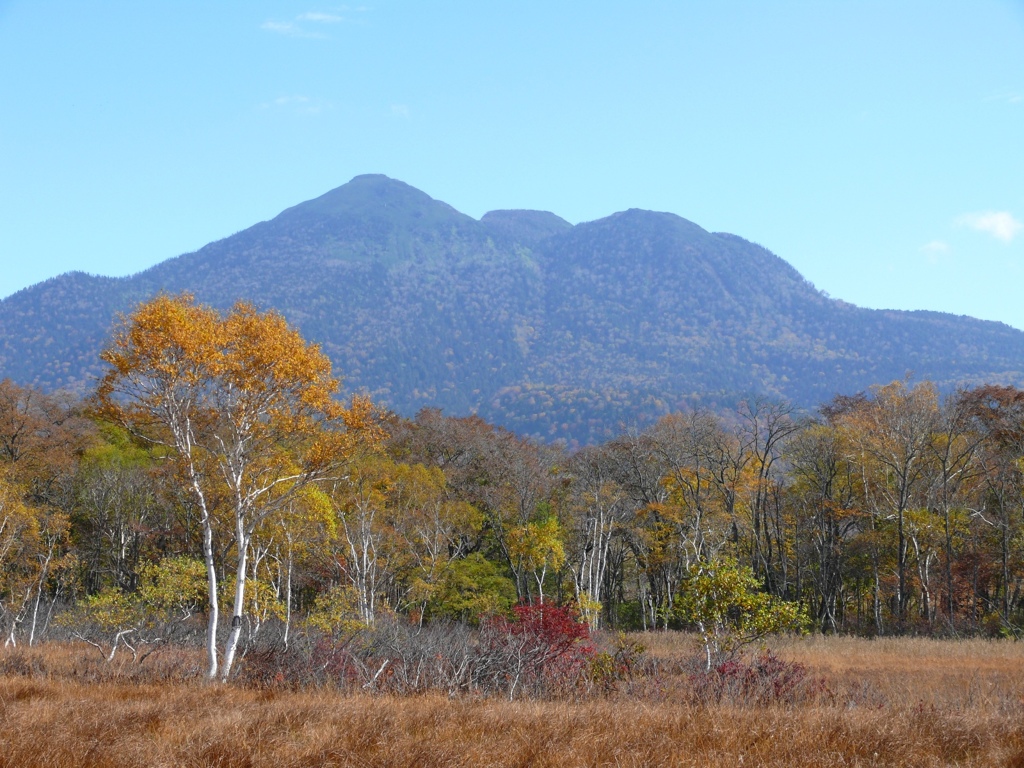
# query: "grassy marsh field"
883,702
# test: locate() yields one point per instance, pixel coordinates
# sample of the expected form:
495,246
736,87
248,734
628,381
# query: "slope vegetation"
550,329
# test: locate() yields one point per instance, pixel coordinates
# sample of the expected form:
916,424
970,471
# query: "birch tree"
599,508
892,431
247,410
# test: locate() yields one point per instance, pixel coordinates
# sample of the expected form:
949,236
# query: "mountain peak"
656,220
528,227
375,178
371,196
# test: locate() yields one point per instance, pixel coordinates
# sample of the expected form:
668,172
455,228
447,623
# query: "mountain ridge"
552,329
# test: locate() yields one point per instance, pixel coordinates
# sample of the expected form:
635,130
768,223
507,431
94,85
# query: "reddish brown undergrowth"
893,702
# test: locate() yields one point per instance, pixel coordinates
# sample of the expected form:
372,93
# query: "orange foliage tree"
245,408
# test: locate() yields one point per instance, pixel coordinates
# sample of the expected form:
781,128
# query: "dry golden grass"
970,675
894,702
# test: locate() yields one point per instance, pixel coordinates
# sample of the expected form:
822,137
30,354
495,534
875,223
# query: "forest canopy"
216,466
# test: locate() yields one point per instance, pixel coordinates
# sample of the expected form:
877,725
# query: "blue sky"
876,146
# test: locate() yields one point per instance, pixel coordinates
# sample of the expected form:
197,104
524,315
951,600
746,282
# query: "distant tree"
21,537
359,501
723,600
429,528
639,470
470,589
996,414
766,426
824,490
537,549
118,515
169,594
41,439
508,479
598,509
892,432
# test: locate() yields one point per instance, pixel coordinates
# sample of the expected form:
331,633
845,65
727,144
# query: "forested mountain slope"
540,326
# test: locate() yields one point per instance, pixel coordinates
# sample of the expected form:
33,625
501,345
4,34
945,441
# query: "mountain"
550,329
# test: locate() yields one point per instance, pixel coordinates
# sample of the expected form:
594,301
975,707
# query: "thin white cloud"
935,251
1008,97
289,29
320,18
283,101
295,29
400,110
936,247
281,27
1000,224
297,103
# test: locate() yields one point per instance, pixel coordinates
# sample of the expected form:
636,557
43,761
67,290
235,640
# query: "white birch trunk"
241,573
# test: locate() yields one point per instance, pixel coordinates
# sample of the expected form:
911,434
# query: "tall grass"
902,702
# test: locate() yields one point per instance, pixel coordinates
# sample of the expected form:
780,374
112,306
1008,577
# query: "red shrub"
544,648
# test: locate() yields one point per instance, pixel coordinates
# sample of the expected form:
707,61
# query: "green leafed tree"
471,588
724,602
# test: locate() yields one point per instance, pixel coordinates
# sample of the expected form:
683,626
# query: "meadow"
858,702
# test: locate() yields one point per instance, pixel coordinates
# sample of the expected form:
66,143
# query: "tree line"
215,466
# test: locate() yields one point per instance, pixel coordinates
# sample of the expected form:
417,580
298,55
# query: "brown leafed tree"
41,437
41,440
892,431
